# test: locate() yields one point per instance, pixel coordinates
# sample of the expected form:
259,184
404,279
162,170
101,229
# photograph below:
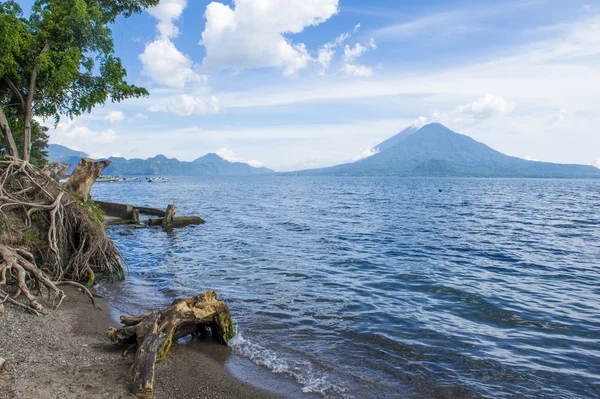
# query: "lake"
387,287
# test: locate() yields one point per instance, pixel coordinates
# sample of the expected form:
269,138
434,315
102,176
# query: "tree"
60,61
39,138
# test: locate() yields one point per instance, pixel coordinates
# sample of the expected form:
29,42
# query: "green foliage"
65,49
31,237
37,216
39,138
91,205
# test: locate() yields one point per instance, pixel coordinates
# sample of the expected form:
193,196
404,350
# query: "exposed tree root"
154,332
48,237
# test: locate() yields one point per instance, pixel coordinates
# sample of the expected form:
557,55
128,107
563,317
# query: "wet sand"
66,355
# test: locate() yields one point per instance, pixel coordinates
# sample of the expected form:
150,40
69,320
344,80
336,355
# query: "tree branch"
14,89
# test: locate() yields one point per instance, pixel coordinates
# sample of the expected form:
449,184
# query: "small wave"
302,371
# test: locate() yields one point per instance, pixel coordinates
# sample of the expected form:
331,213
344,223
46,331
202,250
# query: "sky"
296,84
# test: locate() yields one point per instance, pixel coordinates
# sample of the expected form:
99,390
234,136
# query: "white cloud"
487,107
357,70
420,122
74,134
166,65
161,60
366,153
167,12
328,50
186,105
114,117
139,115
251,34
356,28
229,155
352,53
597,164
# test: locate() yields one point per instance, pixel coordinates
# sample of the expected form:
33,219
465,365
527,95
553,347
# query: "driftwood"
177,222
56,170
152,333
84,176
150,211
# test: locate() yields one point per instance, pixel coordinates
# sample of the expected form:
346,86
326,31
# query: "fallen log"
121,211
178,222
152,333
150,211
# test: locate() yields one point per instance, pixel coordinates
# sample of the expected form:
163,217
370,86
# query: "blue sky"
294,84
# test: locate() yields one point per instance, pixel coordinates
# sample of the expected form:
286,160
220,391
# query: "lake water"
387,287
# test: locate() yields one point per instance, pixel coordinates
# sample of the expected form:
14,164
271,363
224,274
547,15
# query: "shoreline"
66,354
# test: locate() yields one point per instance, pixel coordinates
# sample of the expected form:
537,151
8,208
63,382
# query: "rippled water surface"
387,287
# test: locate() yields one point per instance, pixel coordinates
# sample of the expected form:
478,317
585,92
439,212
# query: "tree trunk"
27,132
28,108
56,170
84,176
8,137
154,332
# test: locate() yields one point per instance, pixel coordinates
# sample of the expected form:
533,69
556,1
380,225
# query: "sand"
66,355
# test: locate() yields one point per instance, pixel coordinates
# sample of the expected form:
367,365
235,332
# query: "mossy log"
152,333
177,222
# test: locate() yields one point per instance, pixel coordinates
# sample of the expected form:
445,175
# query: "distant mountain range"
208,165
435,150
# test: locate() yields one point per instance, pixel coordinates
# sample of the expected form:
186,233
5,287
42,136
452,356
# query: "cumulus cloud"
229,155
114,117
366,153
186,105
167,12
161,60
251,34
597,164
166,65
487,107
139,115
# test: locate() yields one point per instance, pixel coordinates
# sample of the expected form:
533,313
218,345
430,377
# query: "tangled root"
48,236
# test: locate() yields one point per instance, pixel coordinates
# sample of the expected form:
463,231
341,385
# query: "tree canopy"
60,60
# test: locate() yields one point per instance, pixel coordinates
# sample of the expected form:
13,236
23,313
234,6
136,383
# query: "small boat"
156,180
107,179
131,179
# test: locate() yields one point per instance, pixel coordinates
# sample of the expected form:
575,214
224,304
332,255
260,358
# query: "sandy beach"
66,355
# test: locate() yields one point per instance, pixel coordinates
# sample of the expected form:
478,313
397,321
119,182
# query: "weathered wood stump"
152,333
84,176
169,215
56,170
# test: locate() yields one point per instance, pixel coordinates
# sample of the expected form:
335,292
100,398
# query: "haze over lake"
388,287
